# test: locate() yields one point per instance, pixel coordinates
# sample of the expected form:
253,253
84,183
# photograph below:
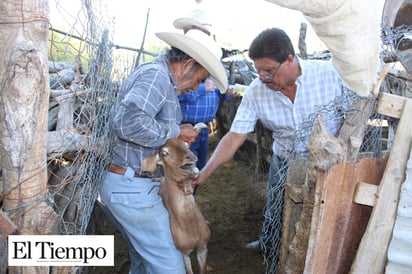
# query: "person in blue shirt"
202,104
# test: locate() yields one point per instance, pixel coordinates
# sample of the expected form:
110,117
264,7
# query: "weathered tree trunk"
23,122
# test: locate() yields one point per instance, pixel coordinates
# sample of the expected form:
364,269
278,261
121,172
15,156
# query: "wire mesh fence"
85,71
377,139
331,113
82,93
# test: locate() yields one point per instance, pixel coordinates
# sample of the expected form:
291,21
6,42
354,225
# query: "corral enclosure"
82,90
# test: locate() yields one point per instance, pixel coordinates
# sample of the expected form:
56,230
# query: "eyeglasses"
269,78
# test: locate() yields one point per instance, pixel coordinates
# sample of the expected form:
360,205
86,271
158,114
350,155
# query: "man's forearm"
223,153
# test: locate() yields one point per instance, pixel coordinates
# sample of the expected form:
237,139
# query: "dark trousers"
201,149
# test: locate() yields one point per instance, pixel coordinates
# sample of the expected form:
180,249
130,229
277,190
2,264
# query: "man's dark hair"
176,55
271,43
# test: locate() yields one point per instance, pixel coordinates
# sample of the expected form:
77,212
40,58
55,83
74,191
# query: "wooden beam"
365,194
382,75
391,105
372,253
338,223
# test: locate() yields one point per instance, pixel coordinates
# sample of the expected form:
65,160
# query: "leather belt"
121,171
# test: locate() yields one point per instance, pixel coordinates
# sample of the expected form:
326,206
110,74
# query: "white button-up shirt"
318,85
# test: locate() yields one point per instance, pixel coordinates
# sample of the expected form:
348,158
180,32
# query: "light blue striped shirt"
146,114
318,85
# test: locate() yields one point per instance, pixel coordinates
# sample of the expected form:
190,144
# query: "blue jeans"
139,210
200,148
272,224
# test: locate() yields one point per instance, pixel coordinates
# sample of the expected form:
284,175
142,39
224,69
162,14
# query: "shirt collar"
303,70
163,61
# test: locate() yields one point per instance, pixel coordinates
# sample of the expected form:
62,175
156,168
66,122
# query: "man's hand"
188,133
200,180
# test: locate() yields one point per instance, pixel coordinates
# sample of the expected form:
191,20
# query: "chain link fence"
82,93
273,223
377,139
85,71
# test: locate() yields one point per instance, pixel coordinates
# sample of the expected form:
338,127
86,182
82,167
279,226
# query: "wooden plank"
297,214
338,229
382,75
365,194
391,105
372,253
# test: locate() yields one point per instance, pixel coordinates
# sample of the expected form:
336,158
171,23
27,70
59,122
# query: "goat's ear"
149,164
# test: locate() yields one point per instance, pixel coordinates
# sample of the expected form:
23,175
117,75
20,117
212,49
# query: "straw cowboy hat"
203,49
199,19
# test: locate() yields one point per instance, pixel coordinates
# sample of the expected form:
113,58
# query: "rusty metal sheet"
338,223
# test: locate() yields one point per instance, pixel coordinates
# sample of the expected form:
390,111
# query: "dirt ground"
232,201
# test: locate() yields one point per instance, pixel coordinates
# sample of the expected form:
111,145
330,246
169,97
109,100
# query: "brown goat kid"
189,228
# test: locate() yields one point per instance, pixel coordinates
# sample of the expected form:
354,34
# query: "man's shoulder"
317,63
318,67
152,66
149,70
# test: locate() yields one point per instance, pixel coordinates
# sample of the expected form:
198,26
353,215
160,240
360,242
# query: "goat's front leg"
202,260
188,264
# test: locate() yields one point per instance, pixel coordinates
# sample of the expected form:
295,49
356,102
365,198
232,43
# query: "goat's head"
177,160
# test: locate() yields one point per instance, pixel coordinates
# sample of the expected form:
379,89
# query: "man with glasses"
286,92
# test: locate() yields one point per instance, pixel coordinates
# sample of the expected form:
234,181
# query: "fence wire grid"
273,216
81,96
376,140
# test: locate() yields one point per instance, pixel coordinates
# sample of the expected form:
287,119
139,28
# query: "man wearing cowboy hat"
145,116
198,19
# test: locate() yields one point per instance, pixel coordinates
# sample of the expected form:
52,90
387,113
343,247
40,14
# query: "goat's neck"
184,186
175,198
